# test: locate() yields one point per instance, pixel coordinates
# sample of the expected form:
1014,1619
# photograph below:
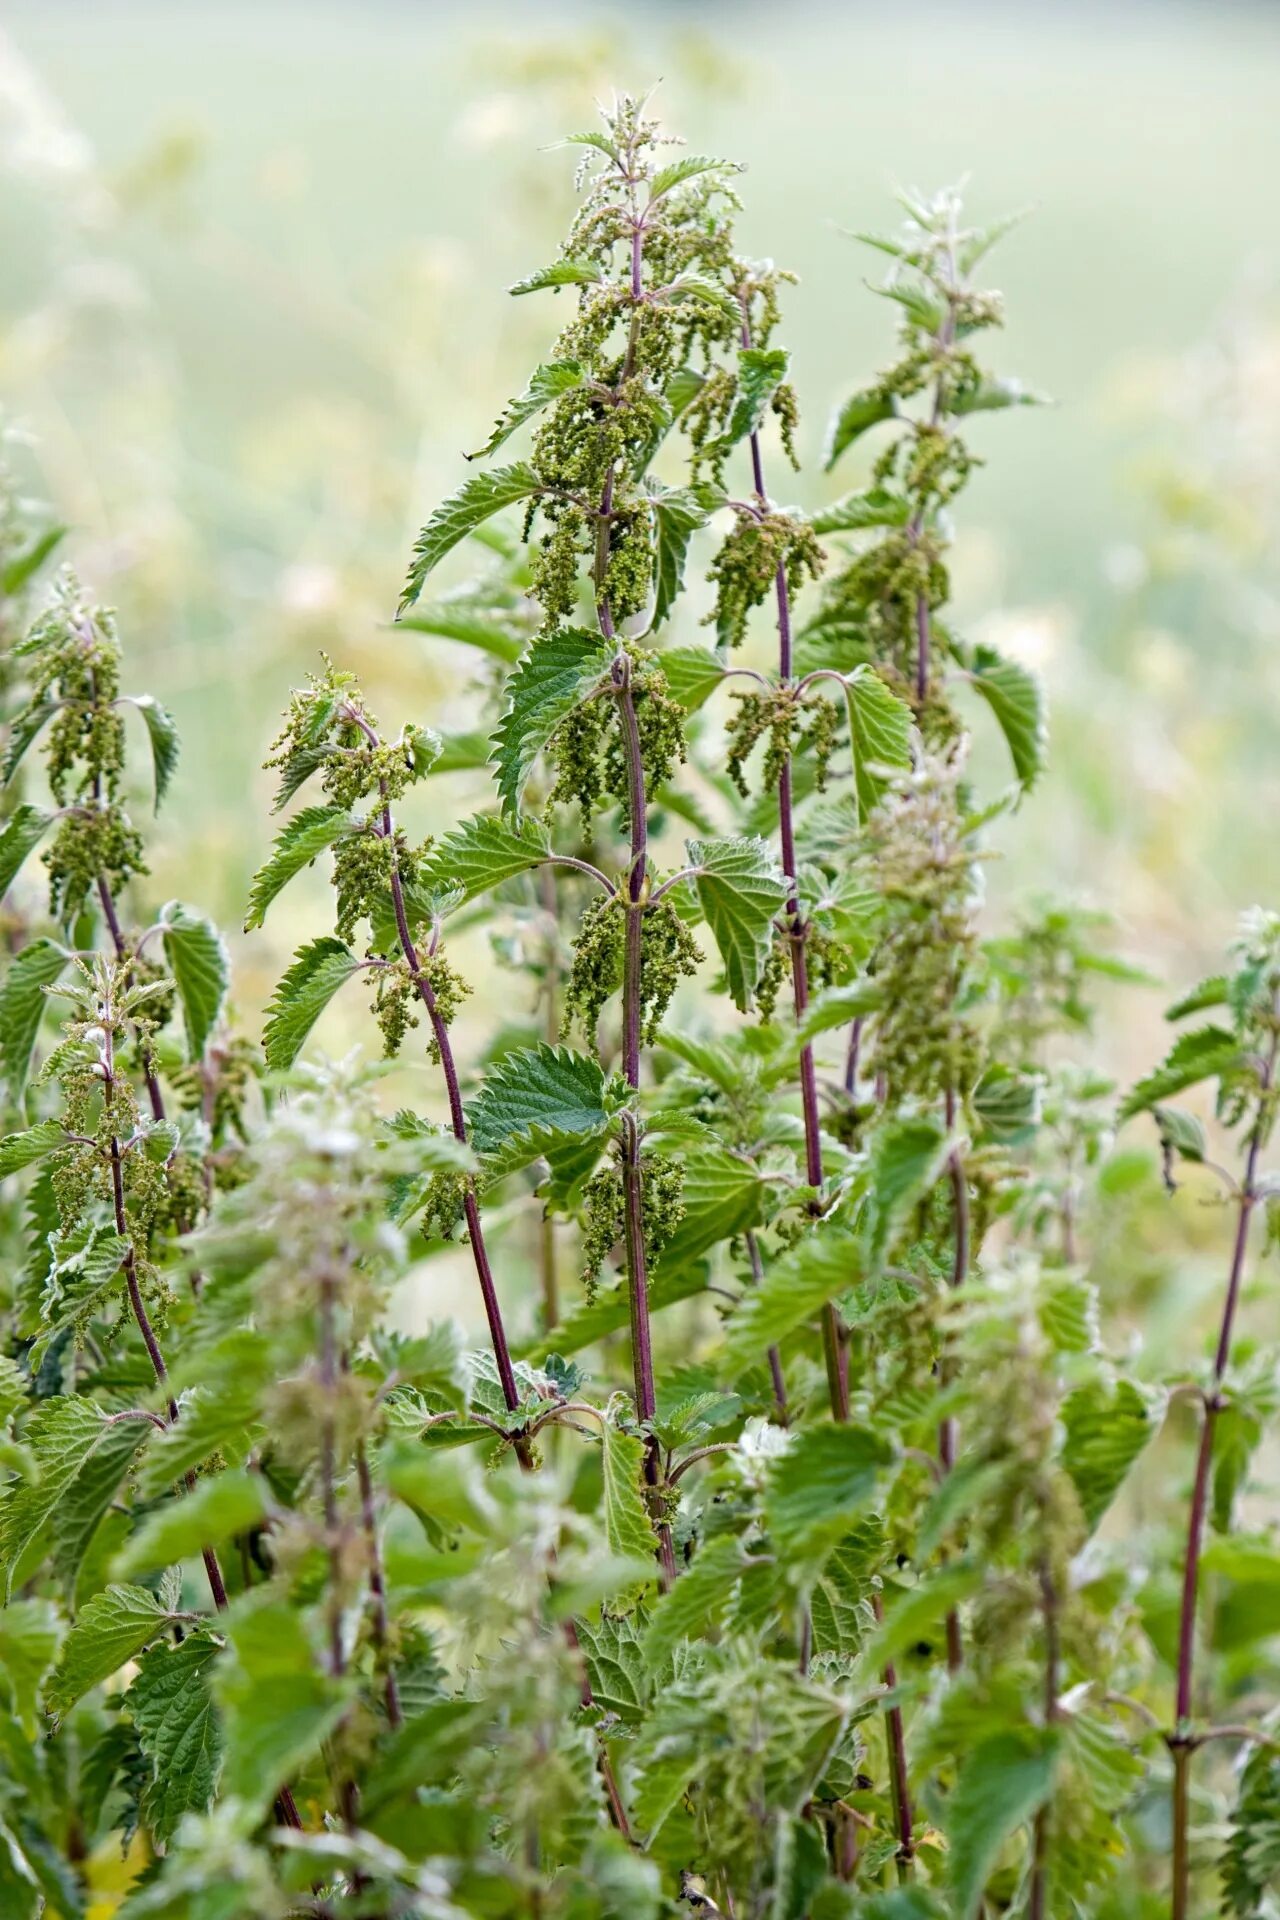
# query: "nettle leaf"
1107,1426
860,412
1016,698
825,1481
162,729
278,1706
218,1508
561,273
483,852
84,1276
113,1628
864,507
22,1004
557,672
24,730
992,395
21,835
700,287
687,167
880,734
1213,992
173,1712
692,674
476,501
677,514
1203,1054
318,970
761,371
535,1097
741,890
1180,1133
24,566
201,969
626,1518
696,1603
490,630
19,1150
907,1157
546,384
308,835
1001,1785
838,1006
722,1195
1007,1102
795,1289
29,1634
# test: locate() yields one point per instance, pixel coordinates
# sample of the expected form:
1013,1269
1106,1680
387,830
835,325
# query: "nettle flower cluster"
758,1562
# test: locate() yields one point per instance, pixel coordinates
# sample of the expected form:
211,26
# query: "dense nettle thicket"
759,1561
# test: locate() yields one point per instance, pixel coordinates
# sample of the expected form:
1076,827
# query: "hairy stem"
833,1344
377,1584
457,1120
897,1744
1179,1742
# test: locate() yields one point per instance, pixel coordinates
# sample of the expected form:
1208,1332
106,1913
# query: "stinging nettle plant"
768,1558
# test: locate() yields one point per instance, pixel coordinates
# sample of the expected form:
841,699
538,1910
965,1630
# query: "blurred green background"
252,311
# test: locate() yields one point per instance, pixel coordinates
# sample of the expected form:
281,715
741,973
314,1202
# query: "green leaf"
201,969
1016,697
861,411
795,1288
906,1159
722,1195
700,287
165,745
761,371
993,396
1180,1132
22,1004
1001,1785
1213,992
741,890
677,512
84,1276
29,1635
547,383
19,1150
318,970
476,501
21,1896
562,273
865,507
114,1627
490,630
880,734
308,835
825,1480
172,1709
696,1602
916,1613
22,833
24,727
1007,1103
219,1507
1202,1054
1107,1426
626,1518
535,1096
277,1704
558,671
25,565
687,167
838,1006
692,674
483,852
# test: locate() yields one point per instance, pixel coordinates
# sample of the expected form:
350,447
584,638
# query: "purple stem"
833,1344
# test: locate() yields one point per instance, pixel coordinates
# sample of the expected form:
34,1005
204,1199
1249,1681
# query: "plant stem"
897,1745
457,1120
1179,1744
1049,1607
775,1358
833,1345
377,1583
959,1274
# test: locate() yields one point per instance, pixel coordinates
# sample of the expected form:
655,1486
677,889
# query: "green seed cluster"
789,722
668,954
661,1211
327,731
746,567
72,658
588,750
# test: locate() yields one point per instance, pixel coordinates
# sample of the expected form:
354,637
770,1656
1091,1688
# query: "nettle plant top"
752,1565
